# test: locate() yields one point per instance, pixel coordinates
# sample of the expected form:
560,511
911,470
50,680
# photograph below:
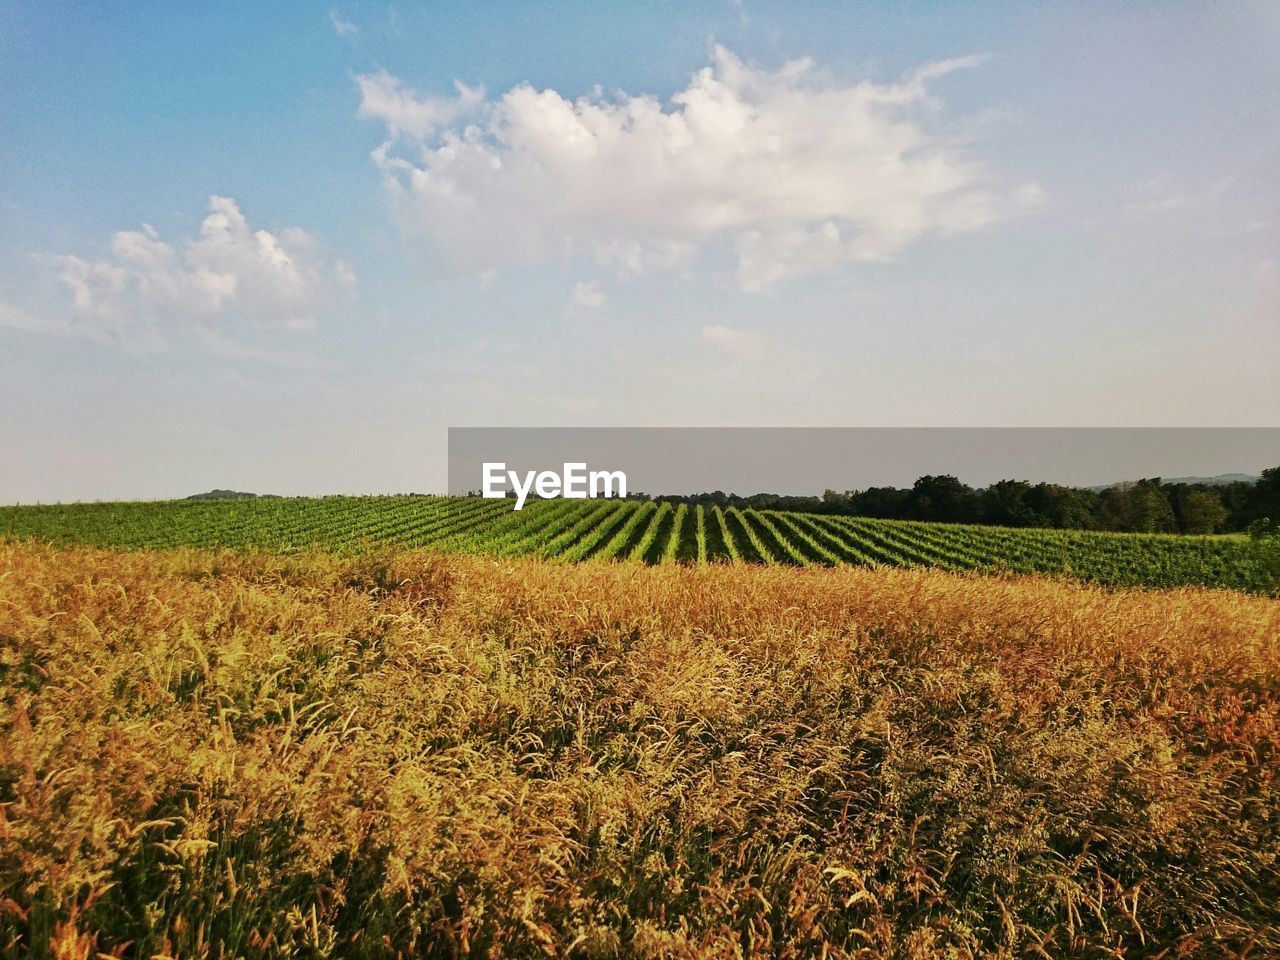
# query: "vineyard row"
602,530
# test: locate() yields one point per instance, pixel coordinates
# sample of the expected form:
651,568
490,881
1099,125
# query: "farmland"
396,753
577,530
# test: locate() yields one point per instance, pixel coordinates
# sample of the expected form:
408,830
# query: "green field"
579,530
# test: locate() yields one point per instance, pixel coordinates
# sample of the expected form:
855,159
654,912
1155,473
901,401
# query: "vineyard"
652,533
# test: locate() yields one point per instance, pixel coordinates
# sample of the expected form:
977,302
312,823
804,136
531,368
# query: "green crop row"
596,531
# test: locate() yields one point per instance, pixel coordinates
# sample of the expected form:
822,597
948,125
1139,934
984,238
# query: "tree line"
1142,506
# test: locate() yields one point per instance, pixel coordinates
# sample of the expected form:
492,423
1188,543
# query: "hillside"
1221,480
227,495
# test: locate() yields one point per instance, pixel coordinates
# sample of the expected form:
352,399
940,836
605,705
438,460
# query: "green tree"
940,498
1140,507
1007,503
1264,499
1065,507
1202,512
1152,512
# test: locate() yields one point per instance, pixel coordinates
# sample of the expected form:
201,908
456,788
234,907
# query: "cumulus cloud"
405,113
793,173
587,293
147,286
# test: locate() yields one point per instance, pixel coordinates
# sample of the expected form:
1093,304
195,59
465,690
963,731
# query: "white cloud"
14,316
343,28
383,97
743,344
148,286
587,293
792,172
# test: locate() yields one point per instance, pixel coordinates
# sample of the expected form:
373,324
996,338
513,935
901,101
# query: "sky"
283,247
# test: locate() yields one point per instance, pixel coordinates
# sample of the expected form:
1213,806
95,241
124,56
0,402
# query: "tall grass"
209,754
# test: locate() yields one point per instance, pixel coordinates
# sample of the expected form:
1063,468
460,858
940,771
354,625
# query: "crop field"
390,753
578,530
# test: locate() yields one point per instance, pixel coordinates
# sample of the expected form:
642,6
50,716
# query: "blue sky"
365,223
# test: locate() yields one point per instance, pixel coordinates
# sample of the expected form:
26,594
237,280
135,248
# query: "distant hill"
230,495
1221,480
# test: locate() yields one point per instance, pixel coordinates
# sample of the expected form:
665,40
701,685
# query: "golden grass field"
211,754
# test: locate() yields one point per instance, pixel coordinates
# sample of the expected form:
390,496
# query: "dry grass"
217,755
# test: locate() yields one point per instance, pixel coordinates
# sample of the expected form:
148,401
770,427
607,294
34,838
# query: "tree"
1263,501
887,503
1067,508
1141,507
1235,497
940,498
835,502
1007,504
1202,512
